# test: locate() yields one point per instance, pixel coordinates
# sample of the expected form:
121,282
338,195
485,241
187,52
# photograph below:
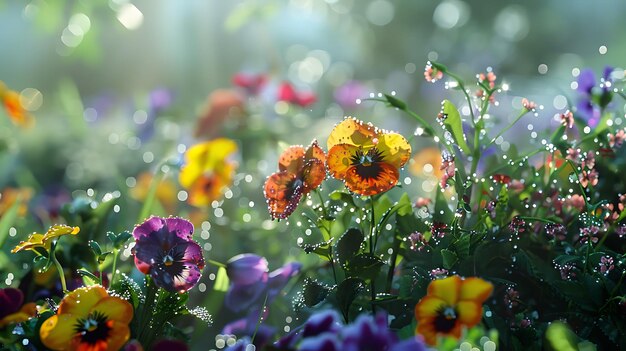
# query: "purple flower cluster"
324,332
592,100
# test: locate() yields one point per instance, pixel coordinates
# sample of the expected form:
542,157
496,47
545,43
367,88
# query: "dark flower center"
367,164
172,260
94,328
445,320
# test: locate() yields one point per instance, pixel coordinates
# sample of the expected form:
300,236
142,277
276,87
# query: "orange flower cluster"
365,158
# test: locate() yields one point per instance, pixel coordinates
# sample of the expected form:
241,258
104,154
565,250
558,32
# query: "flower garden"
260,223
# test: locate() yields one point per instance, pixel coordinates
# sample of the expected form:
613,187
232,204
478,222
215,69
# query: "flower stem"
114,270
372,249
521,114
59,268
217,264
258,323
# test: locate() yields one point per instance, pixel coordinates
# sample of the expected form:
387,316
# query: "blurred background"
119,88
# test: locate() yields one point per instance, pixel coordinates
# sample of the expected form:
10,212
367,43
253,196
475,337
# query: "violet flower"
591,101
347,94
324,332
164,249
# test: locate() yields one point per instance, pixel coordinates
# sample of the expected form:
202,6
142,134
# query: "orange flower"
10,195
450,304
300,171
366,158
165,192
12,105
88,319
427,162
222,104
208,171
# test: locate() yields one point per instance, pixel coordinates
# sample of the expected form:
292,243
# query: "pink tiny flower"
491,209
525,323
588,177
573,155
606,264
621,230
567,119
511,298
438,273
589,234
589,160
576,201
517,225
529,105
438,229
448,166
431,73
616,140
555,231
418,242
422,202
567,271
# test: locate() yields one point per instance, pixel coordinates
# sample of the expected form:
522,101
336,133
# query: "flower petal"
469,312
394,148
339,159
118,336
282,194
447,289
314,151
246,269
25,313
313,174
57,331
179,226
149,226
208,188
80,301
371,180
475,289
115,309
292,159
34,240
428,307
10,301
353,132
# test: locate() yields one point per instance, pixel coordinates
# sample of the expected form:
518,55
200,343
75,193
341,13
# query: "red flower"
251,83
287,93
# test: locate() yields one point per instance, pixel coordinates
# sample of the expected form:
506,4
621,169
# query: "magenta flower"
164,249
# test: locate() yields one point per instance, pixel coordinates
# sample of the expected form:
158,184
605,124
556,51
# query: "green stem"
114,270
324,210
59,268
392,262
537,219
215,263
258,323
522,113
145,317
371,240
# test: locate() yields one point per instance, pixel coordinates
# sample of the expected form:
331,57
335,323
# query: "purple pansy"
250,281
164,249
253,289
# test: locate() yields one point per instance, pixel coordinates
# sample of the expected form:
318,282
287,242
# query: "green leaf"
8,219
85,273
321,249
454,125
221,280
443,213
349,244
462,246
449,258
240,16
95,247
560,338
365,266
347,291
395,102
314,292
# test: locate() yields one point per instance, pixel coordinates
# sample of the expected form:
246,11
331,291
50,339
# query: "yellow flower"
450,304
44,241
13,107
208,170
366,158
88,319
